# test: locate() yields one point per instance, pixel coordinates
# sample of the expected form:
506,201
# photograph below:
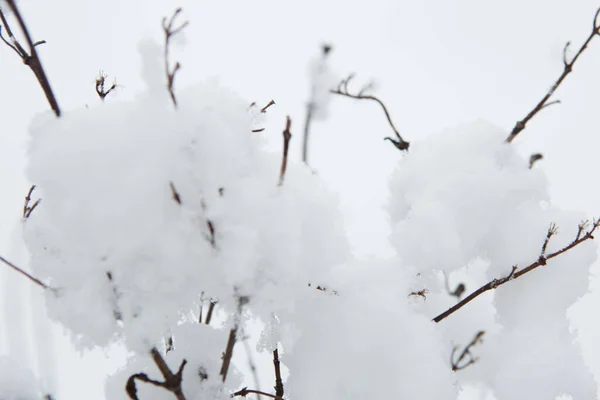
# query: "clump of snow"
201,346
125,258
366,341
466,196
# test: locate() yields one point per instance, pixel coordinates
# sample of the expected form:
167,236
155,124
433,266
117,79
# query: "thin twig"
514,274
456,365
278,381
269,104
30,58
209,314
242,300
245,391
568,68
27,210
169,33
421,293
342,90
172,381
175,193
287,135
26,274
100,86
535,158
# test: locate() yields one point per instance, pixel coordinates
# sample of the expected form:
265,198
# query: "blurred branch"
568,68
251,363
458,292
30,58
456,365
310,109
514,274
287,135
342,90
169,33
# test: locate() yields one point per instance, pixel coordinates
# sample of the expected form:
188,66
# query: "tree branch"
568,68
342,90
514,274
245,391
169,33
30,58
287,135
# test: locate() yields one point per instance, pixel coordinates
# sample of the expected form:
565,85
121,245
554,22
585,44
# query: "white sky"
437,64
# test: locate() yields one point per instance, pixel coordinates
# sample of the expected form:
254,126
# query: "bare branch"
170,31
264,109
242,300
567,69
535,158
421,293
27,210
342,90
176,196
24,273
287,135
30,58
101,86
542,260
278,381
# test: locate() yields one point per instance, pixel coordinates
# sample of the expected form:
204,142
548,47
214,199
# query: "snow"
146,206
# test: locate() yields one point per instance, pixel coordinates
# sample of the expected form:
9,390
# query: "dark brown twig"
30,58
568,68
245,391
242,300
514,274
278,381
209,314
101,86
269,104
342,90
456,365
26,274
287,135
421,293
176,196
169,33
172,381
535,158
27,210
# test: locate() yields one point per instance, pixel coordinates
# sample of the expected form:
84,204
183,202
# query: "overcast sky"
437,64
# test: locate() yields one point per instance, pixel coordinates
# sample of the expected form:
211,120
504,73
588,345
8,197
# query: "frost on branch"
107,177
